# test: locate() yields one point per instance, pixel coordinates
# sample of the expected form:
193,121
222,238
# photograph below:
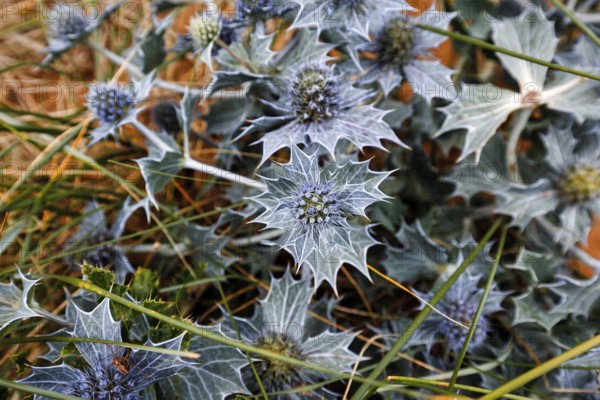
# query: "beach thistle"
317,209
402,53
320,106
101,377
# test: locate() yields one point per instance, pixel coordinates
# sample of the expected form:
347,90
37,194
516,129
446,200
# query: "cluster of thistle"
394,159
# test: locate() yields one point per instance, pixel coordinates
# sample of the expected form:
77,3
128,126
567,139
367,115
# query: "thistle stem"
153,137
137,73
577,21
258,238
489,46
220,173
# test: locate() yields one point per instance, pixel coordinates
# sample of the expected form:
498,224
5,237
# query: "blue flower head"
251,11
93,233
565,194
319,106
109,373
460,304
114,105
68,24
402,52
316,209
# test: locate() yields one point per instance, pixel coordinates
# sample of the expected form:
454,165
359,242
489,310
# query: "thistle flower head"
111,103
320,107
67,22
580,183
164,116
316,207
395,42
317,204
314,93
278,375
281,325
401,52
254,10
98,382
100,255
460,305
100,379
204,29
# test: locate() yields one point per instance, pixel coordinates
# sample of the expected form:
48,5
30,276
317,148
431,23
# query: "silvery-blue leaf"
304,47
158,171
148,367
217,376
349,15
430,80
575,298
96,324
574,94
420,257
150,47
16,304
258,54
481,109
286,303
527,203
532,34
58,378
228,115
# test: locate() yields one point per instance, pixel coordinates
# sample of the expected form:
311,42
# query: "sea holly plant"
92,243
280,324
253,61
316,209
563,197
353,16
458,307
319,106
114,105
131,377
482,109
69,24
402,53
